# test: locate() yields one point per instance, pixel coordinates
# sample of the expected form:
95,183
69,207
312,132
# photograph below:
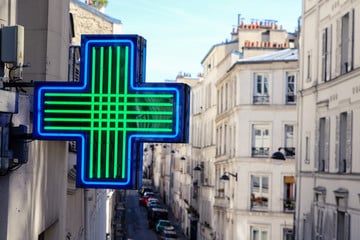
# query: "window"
290,89
343,223
226,96
308,67
344,142
218,101
261,141
259,192
259,233
347,42
324,138
289,140
261,92
326,54
288,234
289,194
307,149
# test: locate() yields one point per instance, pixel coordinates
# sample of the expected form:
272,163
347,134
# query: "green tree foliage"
99,3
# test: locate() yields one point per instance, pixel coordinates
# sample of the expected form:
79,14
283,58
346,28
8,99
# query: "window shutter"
334,233
338,48
349,141
323,53
327,144
351,41
317,164
328,224
307,229
329,54
337,145
347,227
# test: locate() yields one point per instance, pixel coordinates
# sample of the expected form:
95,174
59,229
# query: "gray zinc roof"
289,54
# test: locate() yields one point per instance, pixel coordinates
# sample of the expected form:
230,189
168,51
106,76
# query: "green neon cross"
109,114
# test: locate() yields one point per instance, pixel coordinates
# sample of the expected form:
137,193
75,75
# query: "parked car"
155,214
152,200
153,205
144,189
163,224
167,235
143,200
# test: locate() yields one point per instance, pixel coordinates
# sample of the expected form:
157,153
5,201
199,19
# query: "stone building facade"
329,113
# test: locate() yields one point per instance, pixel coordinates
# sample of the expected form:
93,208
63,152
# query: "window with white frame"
261,88
290,88
259,233
289,140
260,140
259,192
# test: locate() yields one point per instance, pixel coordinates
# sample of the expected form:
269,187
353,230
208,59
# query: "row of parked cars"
158,216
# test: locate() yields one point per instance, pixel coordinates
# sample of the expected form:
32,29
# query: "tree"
98,4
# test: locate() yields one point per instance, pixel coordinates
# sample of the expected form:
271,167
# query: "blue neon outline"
134,86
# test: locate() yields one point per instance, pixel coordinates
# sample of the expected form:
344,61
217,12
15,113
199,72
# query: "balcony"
260,151
263,99
289,205
290,98
259,203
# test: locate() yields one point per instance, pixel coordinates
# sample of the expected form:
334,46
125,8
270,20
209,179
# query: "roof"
217,45
96,12
290,54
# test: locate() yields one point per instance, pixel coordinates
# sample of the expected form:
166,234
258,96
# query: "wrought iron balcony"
263,99
260,152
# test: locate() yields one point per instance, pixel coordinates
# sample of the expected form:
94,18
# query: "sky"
180,33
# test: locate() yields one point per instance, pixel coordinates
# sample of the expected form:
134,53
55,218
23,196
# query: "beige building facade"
328,161
248,87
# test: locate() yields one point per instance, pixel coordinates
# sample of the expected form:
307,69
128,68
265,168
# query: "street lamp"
226,176
197,168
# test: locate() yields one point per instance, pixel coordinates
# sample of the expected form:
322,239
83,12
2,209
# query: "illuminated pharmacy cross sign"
111,111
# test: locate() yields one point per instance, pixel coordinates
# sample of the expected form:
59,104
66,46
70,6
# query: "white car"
152,200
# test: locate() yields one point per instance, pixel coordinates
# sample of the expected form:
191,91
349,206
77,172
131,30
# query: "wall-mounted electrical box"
12,45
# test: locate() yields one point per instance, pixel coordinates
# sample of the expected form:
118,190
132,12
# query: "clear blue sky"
180,33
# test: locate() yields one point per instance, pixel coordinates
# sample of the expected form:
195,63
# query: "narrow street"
136,219
137,227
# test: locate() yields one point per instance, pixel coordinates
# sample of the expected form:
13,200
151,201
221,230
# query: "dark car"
167,235
155,214
142,190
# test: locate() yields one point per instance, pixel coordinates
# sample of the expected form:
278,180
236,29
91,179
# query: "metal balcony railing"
263,99
289,205
260,151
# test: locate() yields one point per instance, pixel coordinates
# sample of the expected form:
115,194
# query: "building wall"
238,114
327,188
88,20
35,193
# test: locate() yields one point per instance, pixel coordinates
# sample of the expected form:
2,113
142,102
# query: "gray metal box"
12,44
